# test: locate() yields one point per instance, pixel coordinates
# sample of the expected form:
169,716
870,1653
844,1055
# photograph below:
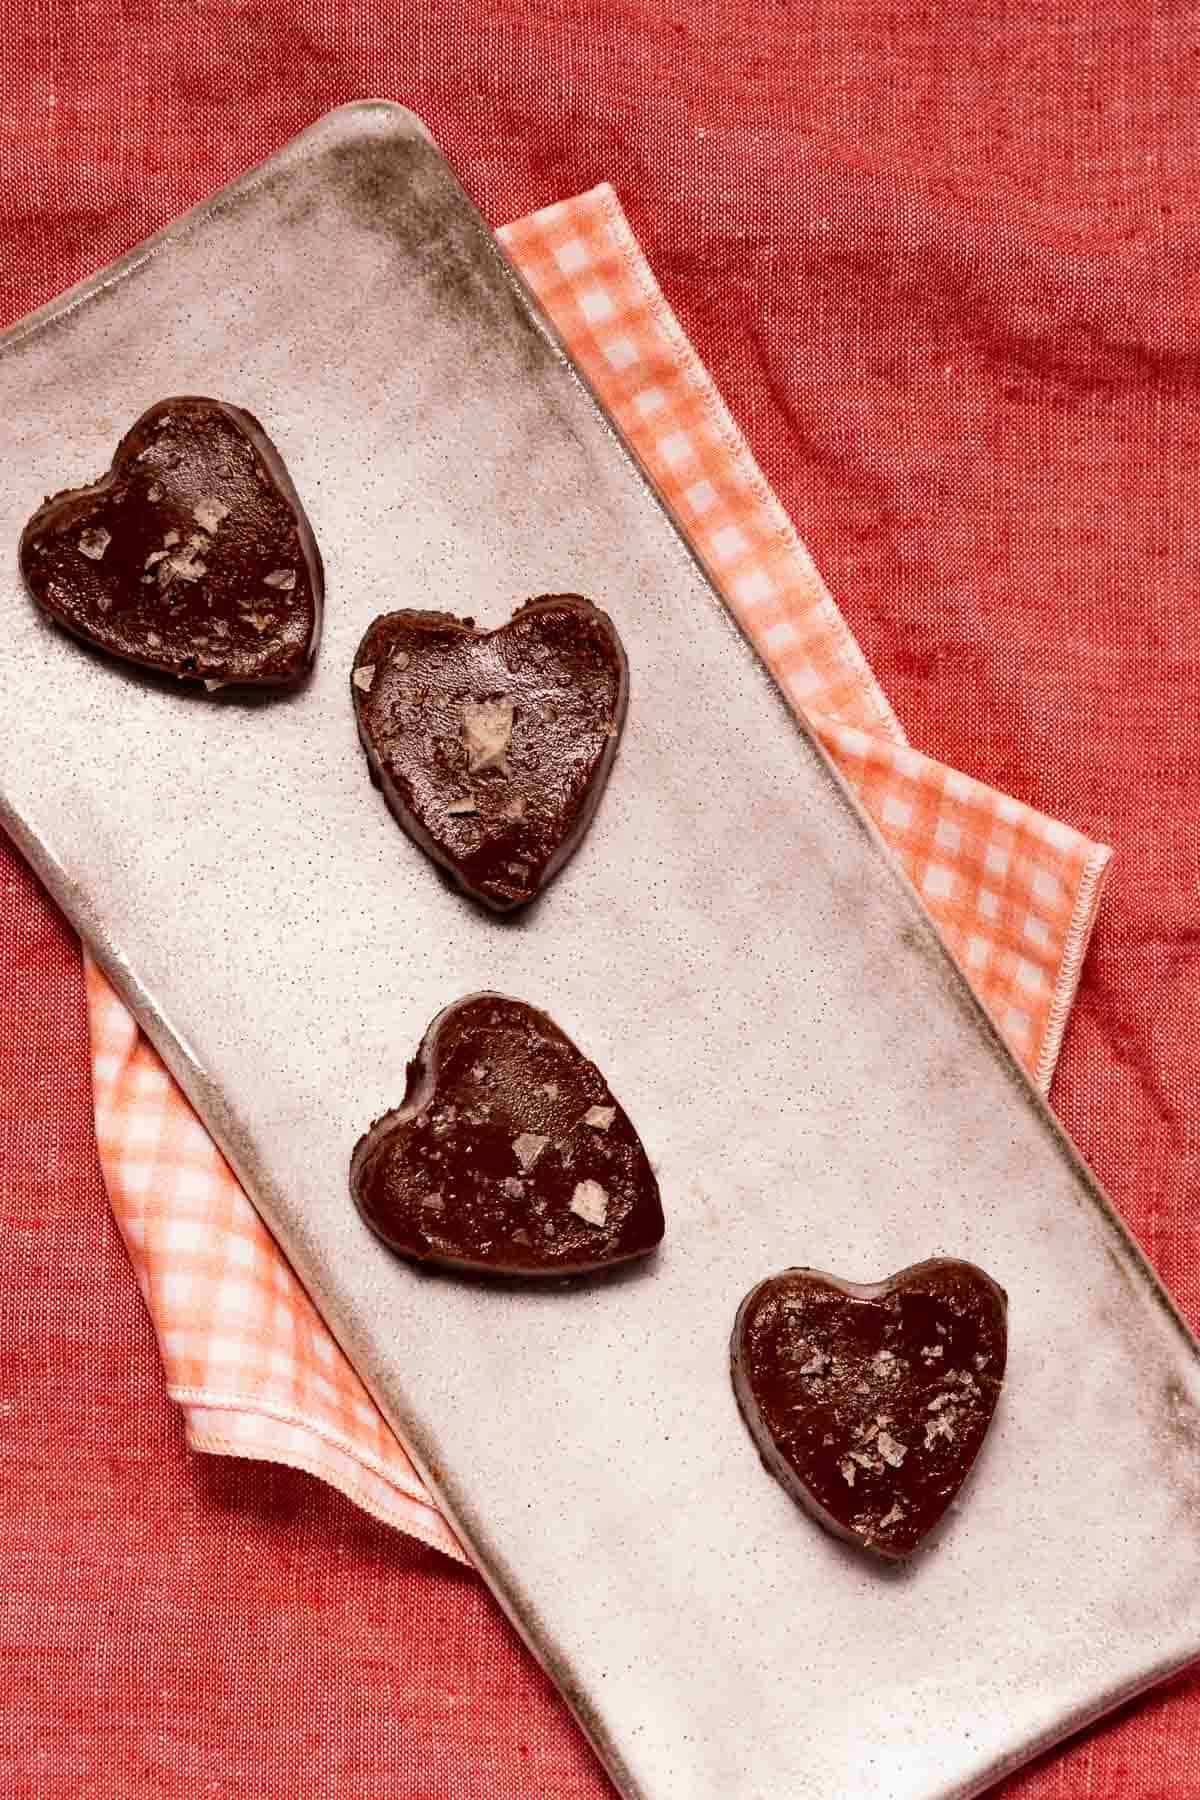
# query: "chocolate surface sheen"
192,556
870,1404
492,747
509,1156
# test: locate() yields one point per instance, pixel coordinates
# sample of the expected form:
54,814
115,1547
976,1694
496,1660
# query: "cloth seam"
1070,968
283,1415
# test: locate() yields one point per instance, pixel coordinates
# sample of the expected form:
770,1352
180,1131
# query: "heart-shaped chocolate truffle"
492,747
509,1155
870,1403
191,556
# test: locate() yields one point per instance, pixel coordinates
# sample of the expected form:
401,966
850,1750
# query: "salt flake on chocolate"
487,730
93,544
590,1203
891,1452
528,1147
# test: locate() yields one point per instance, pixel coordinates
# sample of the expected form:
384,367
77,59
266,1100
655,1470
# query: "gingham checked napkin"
1014,894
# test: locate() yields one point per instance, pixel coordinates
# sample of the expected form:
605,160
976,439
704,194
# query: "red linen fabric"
940,261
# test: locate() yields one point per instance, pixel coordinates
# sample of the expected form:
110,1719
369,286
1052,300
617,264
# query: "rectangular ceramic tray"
731,944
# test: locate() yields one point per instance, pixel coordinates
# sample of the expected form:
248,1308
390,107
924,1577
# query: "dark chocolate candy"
492,747
509,1155
192,555
870,1403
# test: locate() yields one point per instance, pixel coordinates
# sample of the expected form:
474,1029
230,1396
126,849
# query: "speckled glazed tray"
731,944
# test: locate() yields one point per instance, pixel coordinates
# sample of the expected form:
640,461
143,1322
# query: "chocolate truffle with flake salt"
192,556
870,1403
495,1162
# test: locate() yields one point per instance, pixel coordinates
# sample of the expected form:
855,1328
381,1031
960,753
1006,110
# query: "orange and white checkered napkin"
1013,893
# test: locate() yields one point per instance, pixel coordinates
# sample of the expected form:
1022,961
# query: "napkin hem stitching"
284,1415
1070,968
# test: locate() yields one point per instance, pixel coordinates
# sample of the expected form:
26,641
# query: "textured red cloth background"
942,261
